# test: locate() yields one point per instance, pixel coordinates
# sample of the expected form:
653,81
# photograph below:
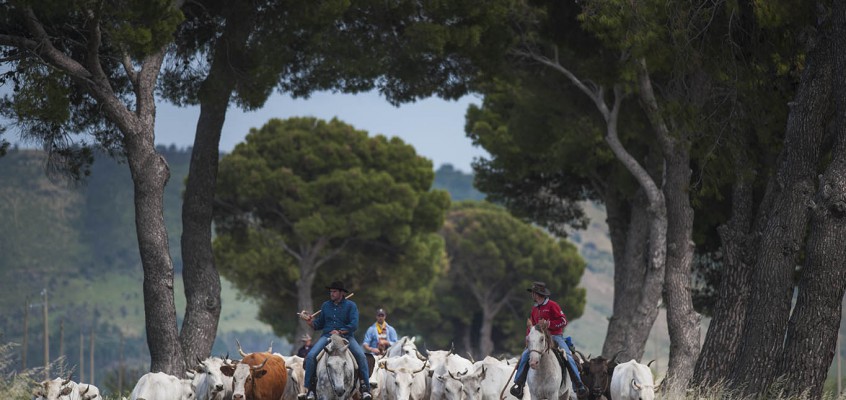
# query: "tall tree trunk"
723,338
200,275
486,345
304,296
815,324
783,235
630,323
150,173
682,320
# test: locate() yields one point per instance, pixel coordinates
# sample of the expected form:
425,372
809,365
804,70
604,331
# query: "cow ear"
227,370
260,373
441,378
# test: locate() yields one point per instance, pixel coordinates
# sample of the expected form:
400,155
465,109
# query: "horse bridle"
547,338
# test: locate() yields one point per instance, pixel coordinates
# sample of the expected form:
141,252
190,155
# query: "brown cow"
597,376
258,376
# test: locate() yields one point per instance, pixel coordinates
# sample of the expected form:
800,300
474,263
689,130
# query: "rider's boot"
365,392
519,382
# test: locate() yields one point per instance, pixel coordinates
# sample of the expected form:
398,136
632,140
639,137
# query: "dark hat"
381,311
539,288
338,285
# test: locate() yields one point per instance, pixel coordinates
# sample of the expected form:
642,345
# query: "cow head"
472,383
597,377
402,380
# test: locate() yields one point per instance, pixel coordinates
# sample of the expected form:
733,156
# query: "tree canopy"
307,201
493,258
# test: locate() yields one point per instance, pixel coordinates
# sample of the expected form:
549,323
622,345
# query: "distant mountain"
459,184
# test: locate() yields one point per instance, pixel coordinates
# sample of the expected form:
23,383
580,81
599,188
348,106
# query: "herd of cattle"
402,373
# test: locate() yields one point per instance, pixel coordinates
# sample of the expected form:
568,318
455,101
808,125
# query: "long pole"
61,337
91,358
81,356
46,338
26,335
120,364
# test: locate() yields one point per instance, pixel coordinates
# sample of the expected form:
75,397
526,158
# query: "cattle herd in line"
402,373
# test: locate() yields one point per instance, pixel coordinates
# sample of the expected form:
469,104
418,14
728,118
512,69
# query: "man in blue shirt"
337,316
378,338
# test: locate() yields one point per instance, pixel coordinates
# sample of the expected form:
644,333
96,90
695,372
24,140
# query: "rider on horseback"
546,309
378,338
337,316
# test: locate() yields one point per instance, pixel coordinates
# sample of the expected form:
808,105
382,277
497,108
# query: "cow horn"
636,386
649,364
227,356
453,376
614,358
200,361
270,349
87,388
260,366
582,356
451,348
421,368
421,357
70,375
472,360
239,349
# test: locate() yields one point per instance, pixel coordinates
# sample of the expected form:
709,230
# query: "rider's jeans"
559,339
355,348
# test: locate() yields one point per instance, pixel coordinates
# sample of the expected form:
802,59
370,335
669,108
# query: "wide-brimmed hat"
539,288
381,311
337,285
305,337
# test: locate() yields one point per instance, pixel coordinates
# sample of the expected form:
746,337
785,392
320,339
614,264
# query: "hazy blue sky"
433,126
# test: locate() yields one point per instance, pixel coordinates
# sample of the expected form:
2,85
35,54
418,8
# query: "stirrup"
517,391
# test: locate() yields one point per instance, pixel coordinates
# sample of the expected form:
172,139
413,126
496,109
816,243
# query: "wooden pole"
120,364
46,338
81,356
91,358
25,346
61,337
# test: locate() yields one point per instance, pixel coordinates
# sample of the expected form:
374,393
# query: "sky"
435,127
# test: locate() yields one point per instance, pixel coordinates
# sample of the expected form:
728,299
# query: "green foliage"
495,255
142,26
362,203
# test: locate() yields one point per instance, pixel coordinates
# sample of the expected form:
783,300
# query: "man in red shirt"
546,309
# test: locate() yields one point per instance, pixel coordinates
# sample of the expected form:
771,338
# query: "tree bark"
772,279
682,319
630,324
814,326
719,351
200,275
304,297
486,344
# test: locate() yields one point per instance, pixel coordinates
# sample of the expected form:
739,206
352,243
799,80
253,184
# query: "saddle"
565,365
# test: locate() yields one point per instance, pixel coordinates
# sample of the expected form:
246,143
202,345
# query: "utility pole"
26,335
46,338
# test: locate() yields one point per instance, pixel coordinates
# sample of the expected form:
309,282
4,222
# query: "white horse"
336,370
545,374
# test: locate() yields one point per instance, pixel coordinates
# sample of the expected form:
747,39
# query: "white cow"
405,378
489,379
444,384
161,386
57,389
632,381
88,392
296,377
209,382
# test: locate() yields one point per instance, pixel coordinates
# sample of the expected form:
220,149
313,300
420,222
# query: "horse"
546,380
336,370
